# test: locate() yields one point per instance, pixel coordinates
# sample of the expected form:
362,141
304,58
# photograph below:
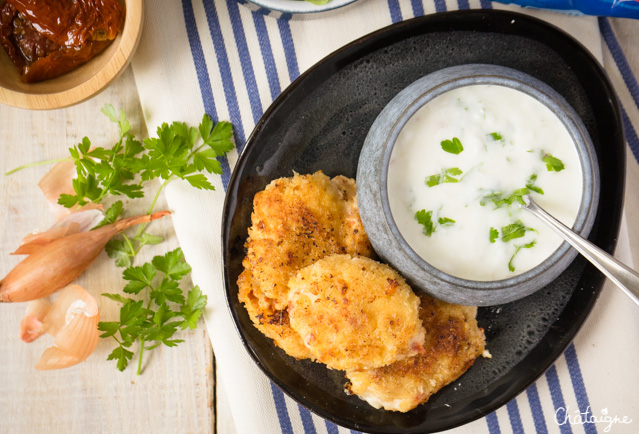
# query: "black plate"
320,122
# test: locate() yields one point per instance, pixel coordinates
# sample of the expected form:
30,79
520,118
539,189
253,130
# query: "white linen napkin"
231,60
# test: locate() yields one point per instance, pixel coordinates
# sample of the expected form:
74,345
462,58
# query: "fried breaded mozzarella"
453,342
355,313
295,222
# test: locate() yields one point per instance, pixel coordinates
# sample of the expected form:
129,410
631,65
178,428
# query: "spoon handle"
623,276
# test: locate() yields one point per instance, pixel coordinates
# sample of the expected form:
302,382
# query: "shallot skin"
58,263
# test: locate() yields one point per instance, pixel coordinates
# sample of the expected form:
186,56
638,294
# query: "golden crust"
355,313
453,343
295,222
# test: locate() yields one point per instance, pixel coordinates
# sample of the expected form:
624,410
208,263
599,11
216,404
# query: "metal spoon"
623,276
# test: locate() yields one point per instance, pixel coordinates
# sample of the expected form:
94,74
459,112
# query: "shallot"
53,265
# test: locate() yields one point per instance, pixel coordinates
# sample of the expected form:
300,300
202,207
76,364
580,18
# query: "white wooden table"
175,392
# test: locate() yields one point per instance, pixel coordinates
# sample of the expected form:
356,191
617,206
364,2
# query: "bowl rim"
394,117
127,42
299,7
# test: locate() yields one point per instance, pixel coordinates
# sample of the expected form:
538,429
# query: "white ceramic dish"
372,192
299,6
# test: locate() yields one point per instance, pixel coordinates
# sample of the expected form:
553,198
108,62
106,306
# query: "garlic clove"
82,220
73,321
31,326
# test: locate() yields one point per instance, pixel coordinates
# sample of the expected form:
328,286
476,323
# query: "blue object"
610,8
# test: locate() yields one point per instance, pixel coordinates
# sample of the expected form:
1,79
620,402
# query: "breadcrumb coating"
295,222
355,313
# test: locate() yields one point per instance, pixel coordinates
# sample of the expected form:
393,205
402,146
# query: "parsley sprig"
452,146
446,176
531,244
511,232
514,230
497,137
553,164
425,218
517,196
178,152
167,309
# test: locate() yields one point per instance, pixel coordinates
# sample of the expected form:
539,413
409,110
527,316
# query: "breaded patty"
295,222
355,313
453,342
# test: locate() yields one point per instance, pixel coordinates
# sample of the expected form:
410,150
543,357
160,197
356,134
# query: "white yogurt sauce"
529,130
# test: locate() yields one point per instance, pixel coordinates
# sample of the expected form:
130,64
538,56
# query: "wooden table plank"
175,391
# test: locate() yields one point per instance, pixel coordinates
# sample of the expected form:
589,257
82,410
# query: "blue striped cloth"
231,59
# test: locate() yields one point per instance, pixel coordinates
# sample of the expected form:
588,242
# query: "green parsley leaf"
130,190
199,181
139,278
425,219
109,111
446,175
517,196
122,355
500,200
206,127
171,153
494,234
100,154
192,310
496,136
220,138
206,160
530,184
111,214
511,267
445,221
166,311
131,149
512,231
85,145
452,146
172,264
145,239
117,297
109,328
430,181
162,315
119,250
67,200
132,314
168,289
552,163
172,342
86,190
196,300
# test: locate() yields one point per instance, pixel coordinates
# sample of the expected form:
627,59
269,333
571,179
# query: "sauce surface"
45,39
459,211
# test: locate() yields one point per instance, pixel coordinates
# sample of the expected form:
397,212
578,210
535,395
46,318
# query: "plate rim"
594,277
309,8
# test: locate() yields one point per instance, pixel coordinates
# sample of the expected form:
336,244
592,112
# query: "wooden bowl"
80,84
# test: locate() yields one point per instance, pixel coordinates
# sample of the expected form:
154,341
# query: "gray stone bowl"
372,194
